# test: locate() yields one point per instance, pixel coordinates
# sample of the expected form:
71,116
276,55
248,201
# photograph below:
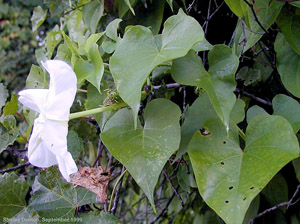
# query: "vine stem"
114,189
242,134
96,110
15,167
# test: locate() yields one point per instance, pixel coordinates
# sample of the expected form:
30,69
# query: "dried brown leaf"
93,179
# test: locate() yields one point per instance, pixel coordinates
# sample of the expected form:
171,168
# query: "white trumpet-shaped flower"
48,142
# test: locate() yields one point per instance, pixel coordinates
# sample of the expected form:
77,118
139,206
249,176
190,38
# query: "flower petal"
38,153
34,99
55,140
62,89
66,165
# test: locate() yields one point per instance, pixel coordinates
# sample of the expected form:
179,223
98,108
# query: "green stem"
107,71
114,190
96,110
242,134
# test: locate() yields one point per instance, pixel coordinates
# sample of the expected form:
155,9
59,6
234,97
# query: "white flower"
48,142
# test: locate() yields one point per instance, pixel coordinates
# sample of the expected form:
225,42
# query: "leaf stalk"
114,190
96,110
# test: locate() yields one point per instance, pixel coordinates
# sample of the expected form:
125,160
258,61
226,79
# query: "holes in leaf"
226,202
230,188
204,132
222,163
224,142
251,188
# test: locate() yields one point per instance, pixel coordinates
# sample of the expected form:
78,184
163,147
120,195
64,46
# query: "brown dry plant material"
93,179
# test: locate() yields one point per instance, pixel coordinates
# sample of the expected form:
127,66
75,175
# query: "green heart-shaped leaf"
288,65
290,26
92,13
144,150
219,81
229,178
288,108
139,52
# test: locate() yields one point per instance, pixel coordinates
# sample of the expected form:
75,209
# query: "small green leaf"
153,17
296,4
288,65
203,45
53,38
92,13
128,3
36,79
38,17
91,72
248,31
112,29
95,100
51,193
9,122
248,75
75,144
41,55
137,54
75,25
160,71
219,81
262,64
254,111
290,27
123,7
196,115
144,150
13,190
227,177
3,95
8,132
6,139
64,53
92,40
109,46
237,114
170,2
72,46
238,7
11,107
288,108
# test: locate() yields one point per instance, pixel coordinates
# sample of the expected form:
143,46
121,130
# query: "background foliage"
210,129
